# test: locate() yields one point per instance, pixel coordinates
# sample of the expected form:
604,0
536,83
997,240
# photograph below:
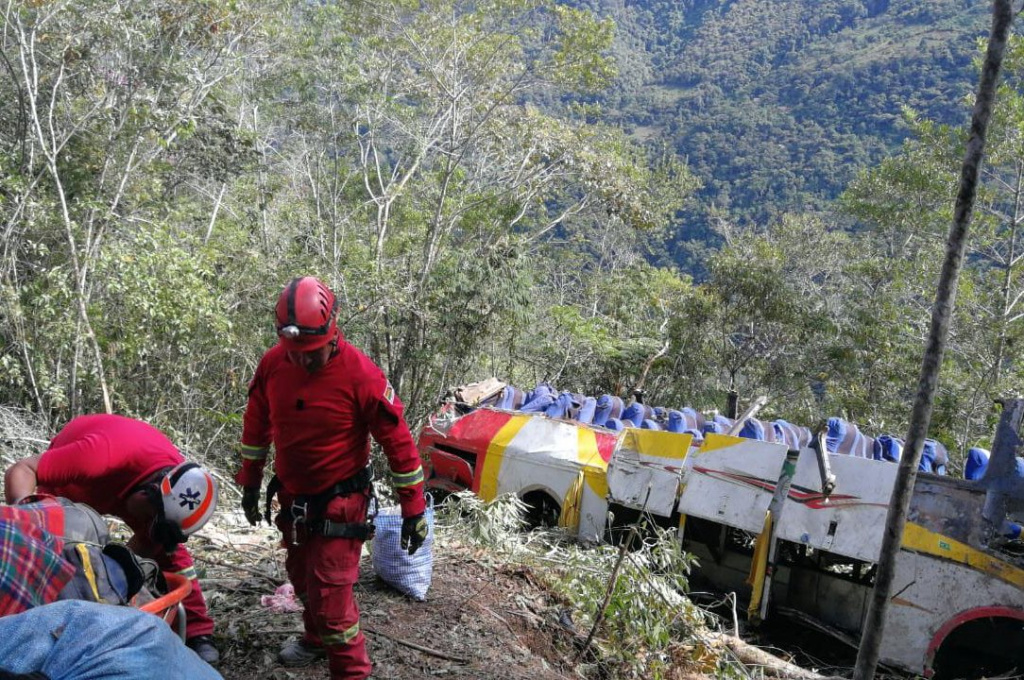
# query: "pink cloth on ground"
282,601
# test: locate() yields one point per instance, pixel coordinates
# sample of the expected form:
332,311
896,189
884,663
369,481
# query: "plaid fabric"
41,510
32,571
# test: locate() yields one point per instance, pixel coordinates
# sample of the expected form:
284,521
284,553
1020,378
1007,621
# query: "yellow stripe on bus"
586,448
658,443
570,515
713,441
921,540
759,568
595,468
495,453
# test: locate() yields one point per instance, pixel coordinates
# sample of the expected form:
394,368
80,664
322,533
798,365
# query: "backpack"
105,572
62,518
109,574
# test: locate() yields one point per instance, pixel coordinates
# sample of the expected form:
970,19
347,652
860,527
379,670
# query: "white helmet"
189,497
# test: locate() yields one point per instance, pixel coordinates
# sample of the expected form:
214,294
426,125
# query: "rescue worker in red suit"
318,400
127,468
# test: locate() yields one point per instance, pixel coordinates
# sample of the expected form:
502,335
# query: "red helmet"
306,315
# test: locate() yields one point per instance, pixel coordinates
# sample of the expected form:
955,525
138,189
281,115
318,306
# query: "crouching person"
127,468
318,400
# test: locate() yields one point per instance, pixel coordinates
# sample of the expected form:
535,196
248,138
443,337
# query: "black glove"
251,504
414,532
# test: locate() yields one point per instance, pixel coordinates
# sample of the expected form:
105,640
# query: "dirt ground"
478,621
482,618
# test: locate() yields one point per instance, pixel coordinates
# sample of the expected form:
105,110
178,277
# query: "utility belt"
308,510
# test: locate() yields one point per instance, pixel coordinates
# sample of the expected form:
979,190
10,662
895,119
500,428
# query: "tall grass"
648,629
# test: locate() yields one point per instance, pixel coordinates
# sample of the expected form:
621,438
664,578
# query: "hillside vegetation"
481,185
776,105
695,199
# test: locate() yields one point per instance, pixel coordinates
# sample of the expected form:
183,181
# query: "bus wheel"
982,647
541,510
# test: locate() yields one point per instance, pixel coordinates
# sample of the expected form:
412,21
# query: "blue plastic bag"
410,574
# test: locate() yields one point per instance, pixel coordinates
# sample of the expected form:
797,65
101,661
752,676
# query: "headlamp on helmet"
306,315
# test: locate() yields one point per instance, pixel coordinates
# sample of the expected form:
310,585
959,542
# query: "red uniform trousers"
197,619
323,570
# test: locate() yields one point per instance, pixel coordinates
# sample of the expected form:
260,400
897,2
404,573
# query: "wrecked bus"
793,532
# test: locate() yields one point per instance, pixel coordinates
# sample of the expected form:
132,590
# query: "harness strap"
309,509
362,531
315,504
357,482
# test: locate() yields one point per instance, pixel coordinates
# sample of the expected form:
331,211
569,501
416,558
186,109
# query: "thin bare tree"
942,311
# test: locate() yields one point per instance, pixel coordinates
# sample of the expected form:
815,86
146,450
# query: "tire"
541,510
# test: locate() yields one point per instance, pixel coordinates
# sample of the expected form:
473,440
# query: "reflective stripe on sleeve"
254,452
404,479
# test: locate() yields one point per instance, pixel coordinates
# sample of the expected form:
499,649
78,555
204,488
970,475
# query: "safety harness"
308,510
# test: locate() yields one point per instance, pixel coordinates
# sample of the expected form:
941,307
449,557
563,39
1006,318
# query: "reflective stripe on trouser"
342,638
325,569
197,619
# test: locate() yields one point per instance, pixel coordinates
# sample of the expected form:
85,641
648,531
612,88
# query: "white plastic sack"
410,574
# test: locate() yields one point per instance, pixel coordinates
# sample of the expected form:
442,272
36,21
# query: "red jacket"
320,424
99,459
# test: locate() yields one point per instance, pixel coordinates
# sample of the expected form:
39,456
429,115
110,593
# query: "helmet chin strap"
161,530
166,533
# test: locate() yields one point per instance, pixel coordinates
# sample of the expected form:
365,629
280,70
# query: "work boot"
202,645
300,653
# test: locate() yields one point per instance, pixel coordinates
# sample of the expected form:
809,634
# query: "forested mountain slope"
166,168
777,103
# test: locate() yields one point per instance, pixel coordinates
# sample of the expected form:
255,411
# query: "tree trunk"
771,665
945,298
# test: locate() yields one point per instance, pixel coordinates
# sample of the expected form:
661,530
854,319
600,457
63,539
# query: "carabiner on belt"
300,512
